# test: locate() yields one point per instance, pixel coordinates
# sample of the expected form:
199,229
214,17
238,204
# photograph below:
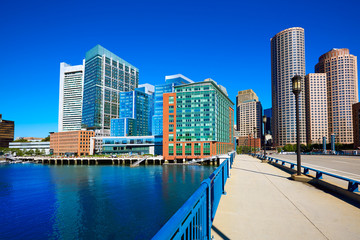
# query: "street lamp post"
264,121
296,88
250,150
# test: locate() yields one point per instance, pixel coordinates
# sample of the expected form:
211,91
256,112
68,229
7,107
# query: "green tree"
37,152
20,140
42,153
47,139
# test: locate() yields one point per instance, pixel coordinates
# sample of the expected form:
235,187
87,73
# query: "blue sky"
228,41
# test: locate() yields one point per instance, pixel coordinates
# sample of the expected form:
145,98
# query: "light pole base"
301,178
264,161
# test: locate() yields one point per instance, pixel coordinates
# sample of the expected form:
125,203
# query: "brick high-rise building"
287,60
342,91
316,108
71,142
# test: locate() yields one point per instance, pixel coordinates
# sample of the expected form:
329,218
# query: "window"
171,100
171,109
178,149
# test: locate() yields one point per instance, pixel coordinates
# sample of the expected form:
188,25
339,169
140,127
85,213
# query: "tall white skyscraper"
70,97
287,60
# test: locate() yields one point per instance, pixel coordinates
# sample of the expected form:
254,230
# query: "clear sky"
228,41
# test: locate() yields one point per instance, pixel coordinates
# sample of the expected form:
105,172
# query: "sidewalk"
262,203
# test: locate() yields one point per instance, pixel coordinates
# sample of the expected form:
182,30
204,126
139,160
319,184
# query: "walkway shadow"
221,234
269,174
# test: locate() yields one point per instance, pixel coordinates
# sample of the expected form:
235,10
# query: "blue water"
92,202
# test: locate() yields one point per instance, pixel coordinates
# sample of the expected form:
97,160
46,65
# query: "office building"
248,114
6,132
135,113
342,91
316,108
70,97
42,147
170,82
287,60
106,75
356,124
132,145
76,143
198,121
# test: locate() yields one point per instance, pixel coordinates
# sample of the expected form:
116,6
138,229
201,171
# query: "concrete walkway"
262,203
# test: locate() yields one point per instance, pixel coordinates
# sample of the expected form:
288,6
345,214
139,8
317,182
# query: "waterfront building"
316,108
287,60
342,91
70,97
198,121
135,113
30,139
248,114
106,75
170,82
132,145
6,132
75,143
356,124
43,147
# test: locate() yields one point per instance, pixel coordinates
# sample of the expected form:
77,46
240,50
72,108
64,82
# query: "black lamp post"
296,88
264,121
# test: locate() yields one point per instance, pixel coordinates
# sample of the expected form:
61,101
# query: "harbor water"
92,202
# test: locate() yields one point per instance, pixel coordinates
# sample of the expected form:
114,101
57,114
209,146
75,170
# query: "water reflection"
93,202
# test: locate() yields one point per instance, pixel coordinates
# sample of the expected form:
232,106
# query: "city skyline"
183,43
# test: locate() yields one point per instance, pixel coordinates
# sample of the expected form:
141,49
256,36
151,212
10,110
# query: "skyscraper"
198,121
342,91
135,113
248,113
106,75
268,114
170,82
316,108
287,60
70,97
6,132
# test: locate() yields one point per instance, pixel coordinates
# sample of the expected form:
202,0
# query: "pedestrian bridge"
262,202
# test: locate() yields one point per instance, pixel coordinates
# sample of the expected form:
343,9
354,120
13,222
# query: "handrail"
353,185
194,219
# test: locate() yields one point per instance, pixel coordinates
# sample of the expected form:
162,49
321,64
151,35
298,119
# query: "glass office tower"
198,121
106,75
170,82
135,113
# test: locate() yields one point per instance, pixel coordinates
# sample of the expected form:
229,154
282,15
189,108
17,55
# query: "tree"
20,140
37,152
47,139
42,153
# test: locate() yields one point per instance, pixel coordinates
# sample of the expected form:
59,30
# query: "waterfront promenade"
262,203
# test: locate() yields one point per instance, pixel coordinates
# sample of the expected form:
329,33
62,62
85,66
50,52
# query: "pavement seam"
291,202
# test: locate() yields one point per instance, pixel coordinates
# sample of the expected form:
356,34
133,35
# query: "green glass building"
106,75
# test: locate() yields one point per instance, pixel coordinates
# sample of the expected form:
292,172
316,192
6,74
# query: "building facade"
135,113
287,60
268,114
316,108
75,143
106,75
70,97
43,147
198,121
356,124
342,91
248,114
133,145
170,82
6,132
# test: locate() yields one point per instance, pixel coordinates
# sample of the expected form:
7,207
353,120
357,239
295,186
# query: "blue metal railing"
194,219
353,185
